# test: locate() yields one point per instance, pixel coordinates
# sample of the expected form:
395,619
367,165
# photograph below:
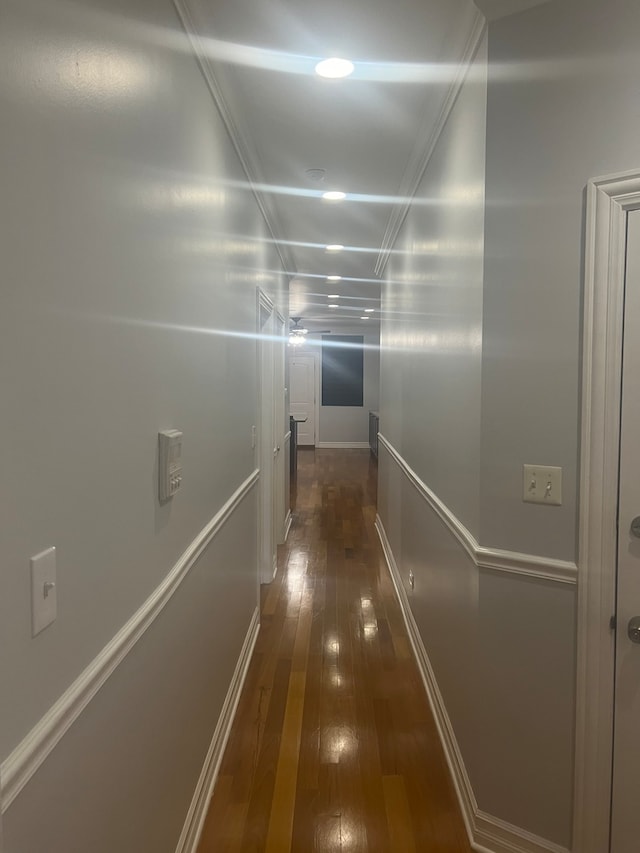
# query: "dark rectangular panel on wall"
342,370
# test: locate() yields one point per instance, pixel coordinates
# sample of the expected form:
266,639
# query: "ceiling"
366,132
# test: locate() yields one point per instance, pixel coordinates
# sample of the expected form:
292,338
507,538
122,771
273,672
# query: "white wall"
430,399
561,109
128,306
509,700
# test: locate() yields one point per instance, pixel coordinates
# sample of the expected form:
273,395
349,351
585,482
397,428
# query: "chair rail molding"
492,559
609,199
487,834
19,767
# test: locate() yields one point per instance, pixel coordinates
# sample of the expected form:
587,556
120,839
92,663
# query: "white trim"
287,436
421,156
194,823
287,524
487,834
493,559
608,201
345,445
18,768
248,159
493,10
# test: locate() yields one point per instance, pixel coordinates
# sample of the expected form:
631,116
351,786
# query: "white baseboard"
287,527
197,813
487,834
18,768
344,445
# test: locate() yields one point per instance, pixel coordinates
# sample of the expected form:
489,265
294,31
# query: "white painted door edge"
608,201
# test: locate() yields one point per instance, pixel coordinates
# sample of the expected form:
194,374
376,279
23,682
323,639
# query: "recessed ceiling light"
334,195
365,317
333,306
333,296
334,278
334,67
368,310
334,247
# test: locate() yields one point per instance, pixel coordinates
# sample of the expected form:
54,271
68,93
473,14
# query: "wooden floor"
333,747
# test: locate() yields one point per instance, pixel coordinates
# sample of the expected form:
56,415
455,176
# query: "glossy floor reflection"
333,747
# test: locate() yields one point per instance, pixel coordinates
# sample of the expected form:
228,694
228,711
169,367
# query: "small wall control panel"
169,463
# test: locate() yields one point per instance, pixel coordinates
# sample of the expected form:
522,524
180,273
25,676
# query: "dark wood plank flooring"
333,747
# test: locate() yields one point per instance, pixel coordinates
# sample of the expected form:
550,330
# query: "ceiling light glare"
334,195
334,247
333,296
334,306
334,68
334,278
368,310
365,317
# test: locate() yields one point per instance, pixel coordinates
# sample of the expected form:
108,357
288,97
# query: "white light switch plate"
542,484
44,599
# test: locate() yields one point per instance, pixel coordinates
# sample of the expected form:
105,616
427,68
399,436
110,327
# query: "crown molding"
495,9
422,153
248,159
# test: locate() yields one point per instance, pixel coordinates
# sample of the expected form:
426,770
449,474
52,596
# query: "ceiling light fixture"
334,278
334,195
315,174
334,68
334,247
333,306
333,296
369,310
365,317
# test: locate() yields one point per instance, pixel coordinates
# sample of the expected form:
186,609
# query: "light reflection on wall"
448,248
184,196
87,72
220,247
454,341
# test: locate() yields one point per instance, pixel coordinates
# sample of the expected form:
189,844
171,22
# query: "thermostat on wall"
169,463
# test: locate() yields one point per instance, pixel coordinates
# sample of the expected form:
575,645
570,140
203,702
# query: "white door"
266,440
625,824
281,471
302,396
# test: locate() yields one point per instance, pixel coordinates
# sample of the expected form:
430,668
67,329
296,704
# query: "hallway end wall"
348,426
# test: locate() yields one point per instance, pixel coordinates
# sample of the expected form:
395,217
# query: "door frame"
280,427
609,199
266,430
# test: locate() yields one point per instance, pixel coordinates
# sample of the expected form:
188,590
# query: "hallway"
333,746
